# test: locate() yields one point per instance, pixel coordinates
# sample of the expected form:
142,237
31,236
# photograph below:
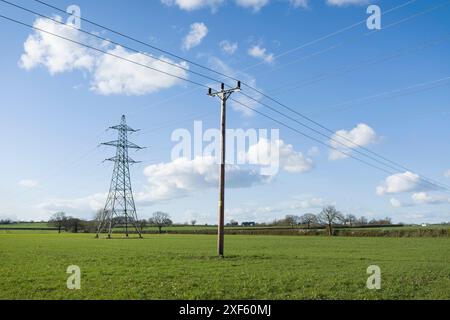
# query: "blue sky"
387,90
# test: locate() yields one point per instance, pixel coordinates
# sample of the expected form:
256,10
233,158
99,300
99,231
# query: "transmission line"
110,41
348,154
330,35
315,54
103,51
251,87
138,41
205,67
193,82
335,136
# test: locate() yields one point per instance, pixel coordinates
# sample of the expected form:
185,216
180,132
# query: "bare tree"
351,220
363,221
160,220
330,216
292,220
308,219
59,219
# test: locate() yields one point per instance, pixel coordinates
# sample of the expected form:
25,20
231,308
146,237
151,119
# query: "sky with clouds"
386,91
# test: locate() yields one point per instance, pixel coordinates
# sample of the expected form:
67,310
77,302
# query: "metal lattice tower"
120,206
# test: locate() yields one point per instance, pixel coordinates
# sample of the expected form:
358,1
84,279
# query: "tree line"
62,222
330,217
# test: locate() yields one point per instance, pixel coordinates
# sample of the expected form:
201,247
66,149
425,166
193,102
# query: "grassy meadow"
33,266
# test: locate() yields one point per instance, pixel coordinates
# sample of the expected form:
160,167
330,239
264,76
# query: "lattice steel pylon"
120,206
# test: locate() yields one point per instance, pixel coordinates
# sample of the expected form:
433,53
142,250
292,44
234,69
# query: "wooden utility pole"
223,95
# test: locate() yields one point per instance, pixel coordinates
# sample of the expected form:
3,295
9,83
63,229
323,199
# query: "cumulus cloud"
28,183
114,76
345,141
425,198
261,53
404,182
342,3
421,198
57,55
195,36
228,47
182,177
289,160
110,75
190,5
81,206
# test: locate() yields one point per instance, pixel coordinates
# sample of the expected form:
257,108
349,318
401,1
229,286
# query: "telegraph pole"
223,95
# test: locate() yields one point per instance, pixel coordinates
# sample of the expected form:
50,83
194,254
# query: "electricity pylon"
223,95
120,203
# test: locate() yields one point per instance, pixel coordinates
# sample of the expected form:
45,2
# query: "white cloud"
56,54
261,53
346,141
114,76
190,5
255,5
447,174
228,47
110,75
421,198
289,160
424,198
28,183
299,3
81,206
181,177
404,182
195,36
341,3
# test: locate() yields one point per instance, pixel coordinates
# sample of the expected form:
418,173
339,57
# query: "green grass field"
25,225
33,266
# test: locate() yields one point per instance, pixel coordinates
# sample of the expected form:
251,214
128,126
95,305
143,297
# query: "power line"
330,35
103,51
335,136
308,136
138,41
335,148
258,91
205,67
350,68
181,78
433,83
315,54
110,41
